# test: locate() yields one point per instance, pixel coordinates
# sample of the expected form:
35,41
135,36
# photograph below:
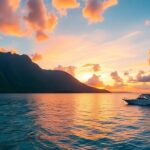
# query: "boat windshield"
144,96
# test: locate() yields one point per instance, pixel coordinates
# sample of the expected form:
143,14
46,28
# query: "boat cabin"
144,96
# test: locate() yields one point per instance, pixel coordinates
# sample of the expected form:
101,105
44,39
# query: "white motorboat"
142,100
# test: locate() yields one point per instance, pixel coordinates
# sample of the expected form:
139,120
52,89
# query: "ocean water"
72,122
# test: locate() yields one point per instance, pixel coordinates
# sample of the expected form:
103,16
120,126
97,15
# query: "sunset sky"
103,43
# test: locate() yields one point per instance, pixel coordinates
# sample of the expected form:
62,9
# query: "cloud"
36,57
14,4
126,73
36,16
39,20
94,9
63,5
131,79
95,67
141,76
147,23
9,20
94,81
87,65
99,48
41,36
115,76
145,78
132,34
68,69
118,87
12,51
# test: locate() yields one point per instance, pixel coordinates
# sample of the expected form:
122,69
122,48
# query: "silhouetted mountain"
19,74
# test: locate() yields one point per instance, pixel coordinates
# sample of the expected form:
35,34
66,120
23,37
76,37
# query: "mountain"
18,74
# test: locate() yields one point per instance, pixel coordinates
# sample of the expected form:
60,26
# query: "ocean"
72,122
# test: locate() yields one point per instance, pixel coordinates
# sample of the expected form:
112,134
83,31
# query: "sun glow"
84,77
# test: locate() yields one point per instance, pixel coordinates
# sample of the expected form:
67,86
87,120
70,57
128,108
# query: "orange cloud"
63,5
14,4
95,67
41,36
39,20
36,57
94,81
9,20
12,51
69,69
94,9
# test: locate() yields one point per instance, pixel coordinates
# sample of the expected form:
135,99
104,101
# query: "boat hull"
138,102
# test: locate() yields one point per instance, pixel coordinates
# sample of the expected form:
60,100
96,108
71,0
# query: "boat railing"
125,98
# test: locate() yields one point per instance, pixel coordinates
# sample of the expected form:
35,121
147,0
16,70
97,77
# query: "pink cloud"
115,76
41,36
96,67
9,20
94,9
145,78
94,81
39,20
141,76
36,57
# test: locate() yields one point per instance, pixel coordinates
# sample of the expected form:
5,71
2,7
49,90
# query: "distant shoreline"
109,92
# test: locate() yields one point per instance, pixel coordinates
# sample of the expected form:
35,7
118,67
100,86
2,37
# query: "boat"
141,100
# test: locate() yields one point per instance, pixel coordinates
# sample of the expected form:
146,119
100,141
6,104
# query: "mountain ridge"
18,74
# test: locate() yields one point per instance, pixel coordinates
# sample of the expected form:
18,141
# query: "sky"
102,43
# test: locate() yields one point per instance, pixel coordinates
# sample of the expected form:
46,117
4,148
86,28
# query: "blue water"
72,122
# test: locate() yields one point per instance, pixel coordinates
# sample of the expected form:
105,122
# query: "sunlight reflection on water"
72,121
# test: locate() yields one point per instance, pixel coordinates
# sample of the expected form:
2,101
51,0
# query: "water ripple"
72,121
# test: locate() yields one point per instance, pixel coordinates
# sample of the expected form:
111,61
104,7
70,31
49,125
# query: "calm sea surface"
72,121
